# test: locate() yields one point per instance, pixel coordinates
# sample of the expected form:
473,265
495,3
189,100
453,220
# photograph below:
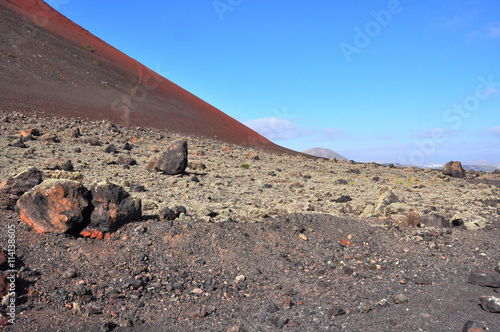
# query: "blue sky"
386,81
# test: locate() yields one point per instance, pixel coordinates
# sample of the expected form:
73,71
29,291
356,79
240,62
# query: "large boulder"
112,207
14,187
175,159
55,206
454,169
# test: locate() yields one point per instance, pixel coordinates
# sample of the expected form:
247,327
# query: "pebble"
400,298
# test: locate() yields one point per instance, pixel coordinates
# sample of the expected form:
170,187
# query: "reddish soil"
52,68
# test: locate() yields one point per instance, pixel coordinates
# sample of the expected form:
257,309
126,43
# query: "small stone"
400,298
485,278
59,164
73,133
167,214
497,267
198,313
343,199
471,326
126,160
111,148
18,143
384,303
272,308
287,303
134,283
240,278
303,237
49,138
125,322
336,311
137,188
128,147
490,303
69,274
423,282
197,165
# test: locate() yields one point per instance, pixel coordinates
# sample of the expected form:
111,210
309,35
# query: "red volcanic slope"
63,70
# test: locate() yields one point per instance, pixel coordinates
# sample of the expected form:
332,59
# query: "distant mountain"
481,165
324,153
469,165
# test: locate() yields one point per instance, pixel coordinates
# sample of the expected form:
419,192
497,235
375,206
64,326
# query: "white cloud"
331,134
275,128
495,131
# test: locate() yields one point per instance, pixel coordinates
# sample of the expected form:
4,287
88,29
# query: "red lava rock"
113,207
12,188
94,234
252,156
55,206
30,132
454,169
287,303
345,243
226,148
412,219
175,159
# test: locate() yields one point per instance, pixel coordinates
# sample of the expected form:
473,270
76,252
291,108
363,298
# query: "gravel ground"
267,247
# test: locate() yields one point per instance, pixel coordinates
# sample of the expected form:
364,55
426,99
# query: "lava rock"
174,160
55,206
111,148
113,207
434,220
167,214
50,138
12,188
126,160
485,278
59,164
454,169
471,326
490,303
